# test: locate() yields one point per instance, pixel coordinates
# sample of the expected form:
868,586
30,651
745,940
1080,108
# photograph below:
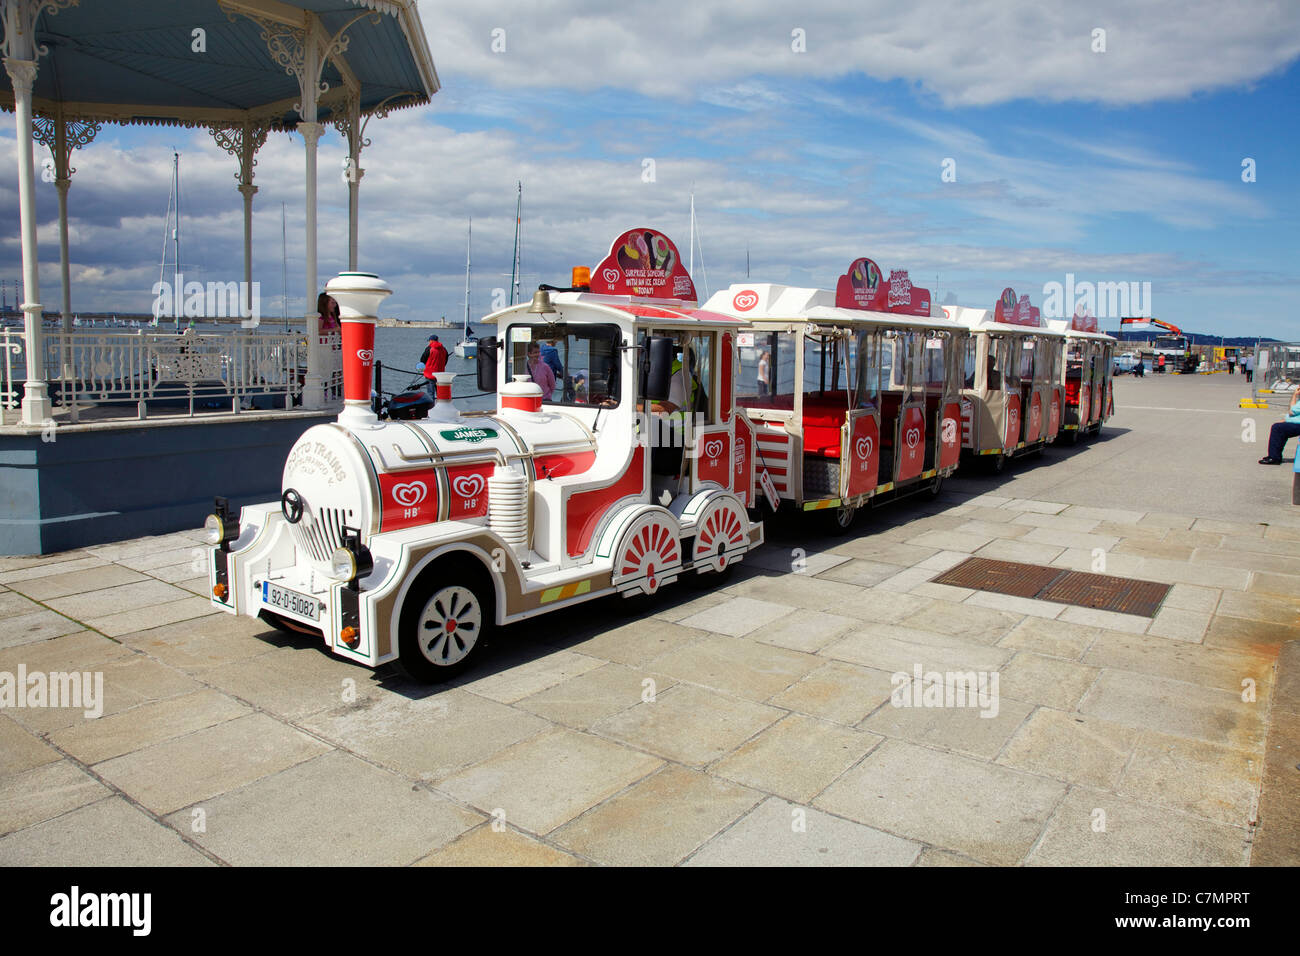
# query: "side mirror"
487,364
657,368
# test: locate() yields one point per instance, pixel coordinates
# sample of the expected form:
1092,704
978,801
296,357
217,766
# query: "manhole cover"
1103,592
1004,577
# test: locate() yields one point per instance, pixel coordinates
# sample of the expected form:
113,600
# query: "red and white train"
668,432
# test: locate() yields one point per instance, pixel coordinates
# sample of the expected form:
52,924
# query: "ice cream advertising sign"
1015,310
1083,322
645,264
905,298
862,287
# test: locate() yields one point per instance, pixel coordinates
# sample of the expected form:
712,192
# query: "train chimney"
358,295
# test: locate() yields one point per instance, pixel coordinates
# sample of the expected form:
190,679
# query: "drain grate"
1103,592
1004,577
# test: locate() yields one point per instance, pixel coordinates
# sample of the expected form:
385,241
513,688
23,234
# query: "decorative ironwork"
77,133
225,371
20,25
242,140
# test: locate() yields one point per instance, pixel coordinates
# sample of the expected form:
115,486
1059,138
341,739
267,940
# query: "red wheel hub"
451,626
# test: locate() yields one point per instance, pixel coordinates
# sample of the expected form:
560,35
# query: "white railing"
227,371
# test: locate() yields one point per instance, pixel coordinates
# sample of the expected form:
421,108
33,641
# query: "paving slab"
1190,597
1224,670
1260,607
796,758
793,590
504,846
294,681
42,568
1244,634
980,625
862,572
80,650
807,631
426,735
638,642
1017,606
1050,681
1023,552
309,813
1060,522
1196,777
139,619
1053,637
738,616
176,773
110,832
124,597
44,792
22,750
737,666
1180,625
893,648
782,834
1071,747
659,821
838,692
196,645
975,729
95,740
1177,708
34,626
77,582
689,724
987,812
1109,620
529,674
1135,834
544,782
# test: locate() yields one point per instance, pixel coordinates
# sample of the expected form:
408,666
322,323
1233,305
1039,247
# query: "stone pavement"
747,725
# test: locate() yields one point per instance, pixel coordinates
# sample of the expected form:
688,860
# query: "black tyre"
840,521
937,487
446,620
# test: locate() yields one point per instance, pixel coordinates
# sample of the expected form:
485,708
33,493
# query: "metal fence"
229,371
1277,363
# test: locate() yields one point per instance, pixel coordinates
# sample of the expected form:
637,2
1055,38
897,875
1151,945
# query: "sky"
977,145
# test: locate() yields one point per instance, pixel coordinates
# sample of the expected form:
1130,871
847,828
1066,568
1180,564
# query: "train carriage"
410,540
1087,376
851,402
1012,395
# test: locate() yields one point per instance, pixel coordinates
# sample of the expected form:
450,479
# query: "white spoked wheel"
444,625
840,520
723,528
449,626
649,554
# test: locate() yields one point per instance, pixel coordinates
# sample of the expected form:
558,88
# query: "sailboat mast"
176,234
469,234
514,262
284,267
691,267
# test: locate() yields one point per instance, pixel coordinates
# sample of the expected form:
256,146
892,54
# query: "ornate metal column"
243,141
62,137
20,53
350,125
302,47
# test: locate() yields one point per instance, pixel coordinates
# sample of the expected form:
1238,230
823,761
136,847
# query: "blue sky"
1123,165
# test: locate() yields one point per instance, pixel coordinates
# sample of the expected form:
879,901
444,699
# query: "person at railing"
328,310
433,360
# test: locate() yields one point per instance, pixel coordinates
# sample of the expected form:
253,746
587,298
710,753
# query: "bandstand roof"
131,61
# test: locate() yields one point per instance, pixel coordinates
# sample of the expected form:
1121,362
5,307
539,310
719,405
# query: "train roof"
765,302
643,313
983,320
1063,325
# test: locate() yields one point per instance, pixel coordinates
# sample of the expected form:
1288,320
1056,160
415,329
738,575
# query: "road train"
669,432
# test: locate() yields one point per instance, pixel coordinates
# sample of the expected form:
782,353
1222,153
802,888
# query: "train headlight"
221,527
343,566
353,560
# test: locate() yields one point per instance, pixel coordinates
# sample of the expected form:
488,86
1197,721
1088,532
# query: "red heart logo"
744,301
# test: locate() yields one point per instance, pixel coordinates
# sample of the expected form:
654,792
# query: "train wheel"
442,628
840,520
937,487
998,463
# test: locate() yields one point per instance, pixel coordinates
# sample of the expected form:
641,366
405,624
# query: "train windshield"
581,361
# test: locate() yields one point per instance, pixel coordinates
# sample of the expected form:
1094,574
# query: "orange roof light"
581,277
219,591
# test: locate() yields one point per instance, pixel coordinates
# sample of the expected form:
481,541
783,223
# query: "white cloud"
965,52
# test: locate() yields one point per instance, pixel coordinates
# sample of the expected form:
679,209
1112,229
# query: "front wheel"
440,633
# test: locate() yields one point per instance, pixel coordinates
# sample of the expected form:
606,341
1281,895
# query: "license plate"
285,600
